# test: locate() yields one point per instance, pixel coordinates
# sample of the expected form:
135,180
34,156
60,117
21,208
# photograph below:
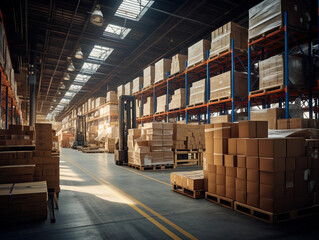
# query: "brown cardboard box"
247,129
275,178
271,205
221,190
253,175
220,179
252,162
262,129
290,164
231,172
241,161
241,196
219,159
212,178
290,179
283,124
301,163
209,138
220,145
270,114
241,173
298,123
222,130
232,146
221,170
209,158
295,147
241,185
231,193
272,164
253,200
272,147
230,160
211,168
247,147
230,182
211,187
272,191
253,187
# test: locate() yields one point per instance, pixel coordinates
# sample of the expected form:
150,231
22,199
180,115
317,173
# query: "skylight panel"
75,88
81,78
90,68
70,94
116,31
65,101
100,53
133,9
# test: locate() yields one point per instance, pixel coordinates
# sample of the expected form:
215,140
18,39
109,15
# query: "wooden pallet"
190,193
220,200
175,74
155,83
219,99
262,35
227,50
196,64
151,167
146,116
159,112
176,109
196,104
268,89
196,157
150,86
275,217
93,150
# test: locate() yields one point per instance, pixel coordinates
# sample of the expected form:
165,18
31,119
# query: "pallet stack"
187,136
178,63
128,88
161,104
162,67
197,53
148,76
111,96
137,85
120,91
148,107
197,93
178,99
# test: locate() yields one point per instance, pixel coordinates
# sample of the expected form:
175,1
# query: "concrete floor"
100,200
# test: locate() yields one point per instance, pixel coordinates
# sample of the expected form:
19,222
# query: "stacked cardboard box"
269,15
111,96
16,173
120,91
294,123
271,71
197,92
151,145
110,144
161,104
128,88
137,84
178,99
138,108
100,101
197,53
221,85
161,68
191,180
23,202
271,115
178,63
221,38
148,107
148,76
186,136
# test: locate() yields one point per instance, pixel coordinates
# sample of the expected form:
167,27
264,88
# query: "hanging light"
66,77
62,86
97,16
79,54
71,67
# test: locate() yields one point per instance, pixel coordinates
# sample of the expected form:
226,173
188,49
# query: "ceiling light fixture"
71,67
62,86
97,16
66,77
79,54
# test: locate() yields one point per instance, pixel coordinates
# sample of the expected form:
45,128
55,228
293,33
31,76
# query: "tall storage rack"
231,60
282,41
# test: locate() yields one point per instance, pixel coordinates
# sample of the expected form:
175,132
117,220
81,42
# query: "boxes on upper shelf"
148,76
120,90
161,104
128,88
178,99
111,96
197,92
161,68
137,85
178,63
197,53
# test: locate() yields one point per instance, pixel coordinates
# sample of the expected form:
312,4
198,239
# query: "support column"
7,107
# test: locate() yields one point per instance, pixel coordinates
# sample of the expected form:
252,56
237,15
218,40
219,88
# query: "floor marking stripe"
154,179
136,201
144,214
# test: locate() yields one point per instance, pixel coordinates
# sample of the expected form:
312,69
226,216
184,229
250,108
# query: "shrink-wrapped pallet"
161,68
148,76
197,53
197,92
178,63
148,107
137,85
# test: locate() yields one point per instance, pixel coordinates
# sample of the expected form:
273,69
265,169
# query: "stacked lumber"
161,68
178,99
178,63
197,53
148,76
137,85
197,92
23,202
187,136
151,145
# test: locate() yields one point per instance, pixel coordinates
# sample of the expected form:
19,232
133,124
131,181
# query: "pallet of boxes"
27,170
271,179
151,146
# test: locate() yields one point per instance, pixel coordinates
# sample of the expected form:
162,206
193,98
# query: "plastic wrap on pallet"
220,85
120,90
178,99
137,84
178,63
128,88
198,52
197,92
269,15
161,69
148,76
271,71
221,38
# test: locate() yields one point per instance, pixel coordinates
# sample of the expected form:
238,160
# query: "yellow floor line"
134,200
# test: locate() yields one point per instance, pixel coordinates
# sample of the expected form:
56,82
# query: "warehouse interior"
142,119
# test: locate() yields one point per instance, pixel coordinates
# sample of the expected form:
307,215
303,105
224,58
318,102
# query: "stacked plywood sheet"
137,84
23,202
178,99
197,53
151,145
197,92
148,107
161,104
220,85
128,88
161,68
148,76
120,90
111,96
178,63
187,136
222,37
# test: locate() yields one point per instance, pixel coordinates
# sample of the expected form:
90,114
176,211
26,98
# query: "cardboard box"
232,146
272,191
211,168
198,52
220,179
221,170
241,185
290,164
295,123
271,205
231,172
283,124
247,146
220,145
209,158
253,187
221,190
212,178
222,130
272,164
247,129
219,159
271,115
178,63
161,68
274,178
301,163
252,162
230,160
241,173
148,76
211,188
231,193
241,196
241,161
295,147
272,147
253,200
230,182
253,175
